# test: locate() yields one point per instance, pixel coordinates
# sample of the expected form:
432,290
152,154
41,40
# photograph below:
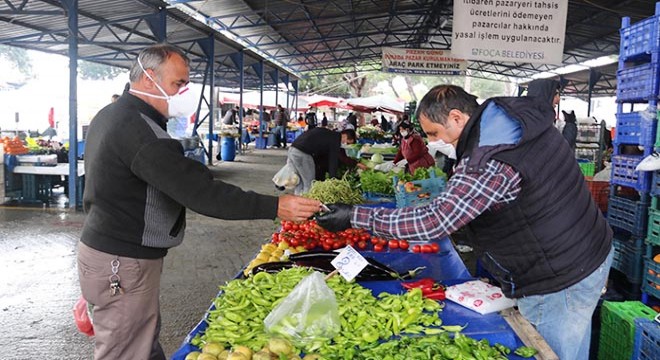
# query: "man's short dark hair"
441,99
350,134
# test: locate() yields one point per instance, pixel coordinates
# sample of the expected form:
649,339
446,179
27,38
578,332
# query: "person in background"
138,184
324,121
352,119
384,125
413,149
548,91
231,117
552,255
317,152
311,119
301,121
114,98
396,137
281,120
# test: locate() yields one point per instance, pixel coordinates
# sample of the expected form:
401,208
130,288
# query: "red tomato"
417,249
378,248
275,238
374,240
362,245
427,249
295,242
327,247
382,242
393,244
403,245
286,226
328,242
435,247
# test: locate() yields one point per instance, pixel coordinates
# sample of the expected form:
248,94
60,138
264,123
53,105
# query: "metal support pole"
72,16
594,76
241,79
211,76
261,99
277,87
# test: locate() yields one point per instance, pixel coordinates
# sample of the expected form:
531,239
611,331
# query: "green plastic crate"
617,329
588,168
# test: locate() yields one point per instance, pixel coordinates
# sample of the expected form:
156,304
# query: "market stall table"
38,180
448,268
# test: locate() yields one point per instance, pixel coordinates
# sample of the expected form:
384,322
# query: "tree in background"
353,83
17,57
94,71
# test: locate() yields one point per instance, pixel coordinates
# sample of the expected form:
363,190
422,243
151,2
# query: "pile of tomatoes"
310,235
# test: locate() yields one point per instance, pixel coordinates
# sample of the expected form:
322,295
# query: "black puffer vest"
553,235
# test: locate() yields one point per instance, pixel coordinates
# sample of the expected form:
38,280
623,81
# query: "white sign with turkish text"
422,61
349,263
528,31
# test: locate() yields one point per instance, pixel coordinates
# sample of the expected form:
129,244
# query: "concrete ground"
40,278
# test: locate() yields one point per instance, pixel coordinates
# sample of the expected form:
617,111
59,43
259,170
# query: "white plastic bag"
479,296
309,312
286,177
605,174
385,167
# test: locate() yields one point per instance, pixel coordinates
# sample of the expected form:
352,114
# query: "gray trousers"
304,165
126,326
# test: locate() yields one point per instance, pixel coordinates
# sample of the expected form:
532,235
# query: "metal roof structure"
261,44
295,37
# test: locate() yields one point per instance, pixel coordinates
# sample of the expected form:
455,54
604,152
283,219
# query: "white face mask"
181,104
404,133
447,149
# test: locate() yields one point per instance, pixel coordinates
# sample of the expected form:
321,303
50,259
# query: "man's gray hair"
152,57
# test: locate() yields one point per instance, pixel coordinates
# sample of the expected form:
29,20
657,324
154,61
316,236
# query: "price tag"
349,263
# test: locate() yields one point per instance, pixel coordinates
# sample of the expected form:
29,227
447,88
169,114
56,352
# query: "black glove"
337,219
569,117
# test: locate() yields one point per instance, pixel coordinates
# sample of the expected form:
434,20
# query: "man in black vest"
519,192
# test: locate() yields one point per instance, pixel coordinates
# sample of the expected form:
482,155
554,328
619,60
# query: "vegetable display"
14,146
382,183
435,347
239,313
332,191
309,235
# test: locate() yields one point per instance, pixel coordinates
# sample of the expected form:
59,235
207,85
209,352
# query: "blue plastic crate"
36,188
629,215
647,340
639,83
624,174
641,38
653,233
421,192
629,258
378,197
638,128
655,183
651,278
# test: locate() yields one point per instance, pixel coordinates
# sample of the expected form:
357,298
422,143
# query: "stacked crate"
638,87
617,328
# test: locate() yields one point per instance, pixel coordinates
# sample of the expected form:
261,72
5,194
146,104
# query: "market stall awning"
329,101
377,103
251,100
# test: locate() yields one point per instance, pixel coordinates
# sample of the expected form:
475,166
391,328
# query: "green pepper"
525,351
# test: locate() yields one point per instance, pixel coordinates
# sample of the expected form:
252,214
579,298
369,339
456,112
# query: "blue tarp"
446,267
